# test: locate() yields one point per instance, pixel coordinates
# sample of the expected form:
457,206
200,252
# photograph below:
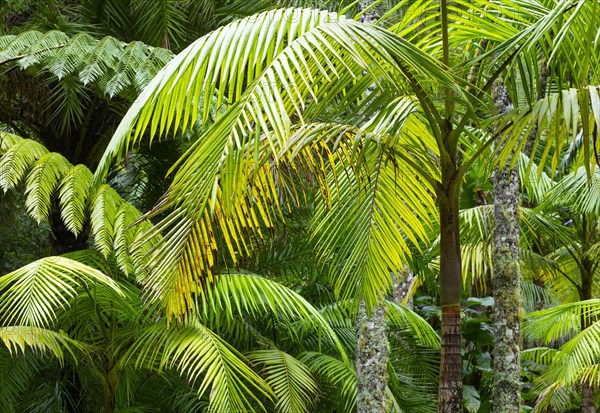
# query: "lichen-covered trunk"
588,404
371,360
450,392
506,390
402,282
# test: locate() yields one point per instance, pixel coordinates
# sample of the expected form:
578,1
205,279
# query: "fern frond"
42,183
17,160
113,66
74,191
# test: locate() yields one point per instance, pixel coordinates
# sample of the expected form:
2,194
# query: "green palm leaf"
18,339
202,356
33,295
235,294
291,380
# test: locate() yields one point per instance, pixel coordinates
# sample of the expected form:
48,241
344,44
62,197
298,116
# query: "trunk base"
450,394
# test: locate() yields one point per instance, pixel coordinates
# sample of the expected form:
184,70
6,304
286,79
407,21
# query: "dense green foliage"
198,195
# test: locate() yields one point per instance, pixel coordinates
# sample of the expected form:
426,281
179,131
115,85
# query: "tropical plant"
366,101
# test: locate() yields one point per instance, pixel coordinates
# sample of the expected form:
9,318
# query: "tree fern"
91,61
42,183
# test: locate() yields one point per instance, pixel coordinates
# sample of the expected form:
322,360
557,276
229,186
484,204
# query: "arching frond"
236,294
17,157
18,339
49,177
74,191
291,381
16,373
201,356
42,183
341,377
111,65
534,181
578,191
32,295
560,321
402,316
381,210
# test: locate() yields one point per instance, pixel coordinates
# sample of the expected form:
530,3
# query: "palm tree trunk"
450,392
506,390
371,360
588,403
587,399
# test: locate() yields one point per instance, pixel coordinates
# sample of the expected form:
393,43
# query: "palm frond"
201,356
19,339
239,294
32,295
559,321
578,190
341,377
404,317
291,381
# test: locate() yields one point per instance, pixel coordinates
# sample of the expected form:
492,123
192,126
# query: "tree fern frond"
86,59
42,182
74,191
17,159
105,204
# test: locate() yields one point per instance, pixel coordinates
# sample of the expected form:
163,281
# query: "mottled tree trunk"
371,360
402,284
450,392
506,390
588,403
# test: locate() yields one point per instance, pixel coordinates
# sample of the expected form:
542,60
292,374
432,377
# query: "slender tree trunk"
371,360
506,390
109,396
402,283
587,399
450,392
588,403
